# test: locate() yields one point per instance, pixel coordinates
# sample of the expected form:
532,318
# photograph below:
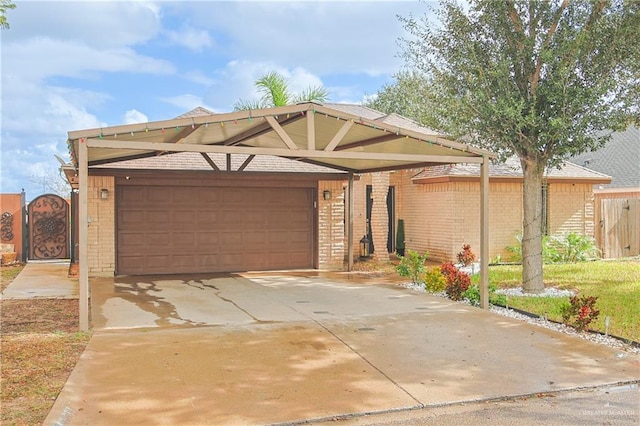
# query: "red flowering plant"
580,312
457,281
466,256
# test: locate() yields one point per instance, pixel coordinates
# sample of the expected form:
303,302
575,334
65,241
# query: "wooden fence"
619,232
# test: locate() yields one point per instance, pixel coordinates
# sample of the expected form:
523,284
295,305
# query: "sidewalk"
43,279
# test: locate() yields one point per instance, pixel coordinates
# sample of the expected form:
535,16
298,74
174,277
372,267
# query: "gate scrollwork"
6,227
48,218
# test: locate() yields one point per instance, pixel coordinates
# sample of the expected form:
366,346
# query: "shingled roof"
620,158
510,169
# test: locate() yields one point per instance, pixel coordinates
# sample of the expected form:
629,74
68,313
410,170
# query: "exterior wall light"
326,194
104,193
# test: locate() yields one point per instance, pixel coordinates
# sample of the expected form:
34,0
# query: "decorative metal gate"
48,228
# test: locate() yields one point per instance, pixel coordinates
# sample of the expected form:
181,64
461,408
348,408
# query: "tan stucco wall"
101,232
12,235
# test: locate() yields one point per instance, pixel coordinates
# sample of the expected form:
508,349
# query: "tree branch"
535,78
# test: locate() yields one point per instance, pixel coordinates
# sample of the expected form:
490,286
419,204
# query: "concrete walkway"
287,348
43,279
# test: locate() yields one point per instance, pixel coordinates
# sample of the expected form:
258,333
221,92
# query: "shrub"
472,294
580,312
466,256
457,282
400,238
572,248
412,266
434,281
566,248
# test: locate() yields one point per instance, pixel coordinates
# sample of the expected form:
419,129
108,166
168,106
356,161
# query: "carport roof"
344,137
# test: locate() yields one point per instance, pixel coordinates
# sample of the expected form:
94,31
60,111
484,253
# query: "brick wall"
379,215
101,231
571,209
331,226
441,217
359,213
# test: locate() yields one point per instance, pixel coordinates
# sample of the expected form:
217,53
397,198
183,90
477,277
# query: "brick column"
379,215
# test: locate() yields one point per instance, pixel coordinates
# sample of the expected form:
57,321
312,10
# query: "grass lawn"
40,347
615,283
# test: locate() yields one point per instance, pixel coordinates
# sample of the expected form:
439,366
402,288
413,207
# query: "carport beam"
83,235
484,234
350,224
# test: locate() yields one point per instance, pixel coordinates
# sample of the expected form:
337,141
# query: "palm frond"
245,105
274,89
312,94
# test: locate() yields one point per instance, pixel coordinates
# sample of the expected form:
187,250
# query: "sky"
78,65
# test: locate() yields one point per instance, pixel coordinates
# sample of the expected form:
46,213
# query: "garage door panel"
153,218
208,238
130,219
206,229
130,239
156,195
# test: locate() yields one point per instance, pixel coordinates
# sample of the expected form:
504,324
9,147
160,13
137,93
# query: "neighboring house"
619,158
292,215
617,204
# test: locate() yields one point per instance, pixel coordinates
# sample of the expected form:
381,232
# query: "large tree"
4,6
540,79
274,91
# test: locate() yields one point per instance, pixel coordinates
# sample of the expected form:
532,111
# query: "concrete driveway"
287,348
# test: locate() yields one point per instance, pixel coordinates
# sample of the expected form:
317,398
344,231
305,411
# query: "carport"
332,137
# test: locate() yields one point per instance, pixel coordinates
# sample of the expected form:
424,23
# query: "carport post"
350,224
83,167
484,233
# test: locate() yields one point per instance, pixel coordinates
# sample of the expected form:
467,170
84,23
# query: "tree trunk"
532,226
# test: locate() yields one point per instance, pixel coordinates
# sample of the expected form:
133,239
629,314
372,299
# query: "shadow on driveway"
285,348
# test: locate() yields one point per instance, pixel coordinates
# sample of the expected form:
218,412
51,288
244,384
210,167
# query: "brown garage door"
165,230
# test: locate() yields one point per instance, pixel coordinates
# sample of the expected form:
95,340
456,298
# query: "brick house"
156,207
439,205
250,190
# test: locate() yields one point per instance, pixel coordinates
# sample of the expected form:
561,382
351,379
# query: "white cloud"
190,38
199,77
101,24
132,117
39,58
326,37
187,102
237,81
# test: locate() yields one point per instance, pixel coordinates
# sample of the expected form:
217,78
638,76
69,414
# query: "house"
250,190
439,205
185,211
617,204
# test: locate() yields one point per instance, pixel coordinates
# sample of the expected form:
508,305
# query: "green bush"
434,281
412,266
472,294
573,248
564,248
400,238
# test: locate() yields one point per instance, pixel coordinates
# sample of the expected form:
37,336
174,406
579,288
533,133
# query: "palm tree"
274,90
